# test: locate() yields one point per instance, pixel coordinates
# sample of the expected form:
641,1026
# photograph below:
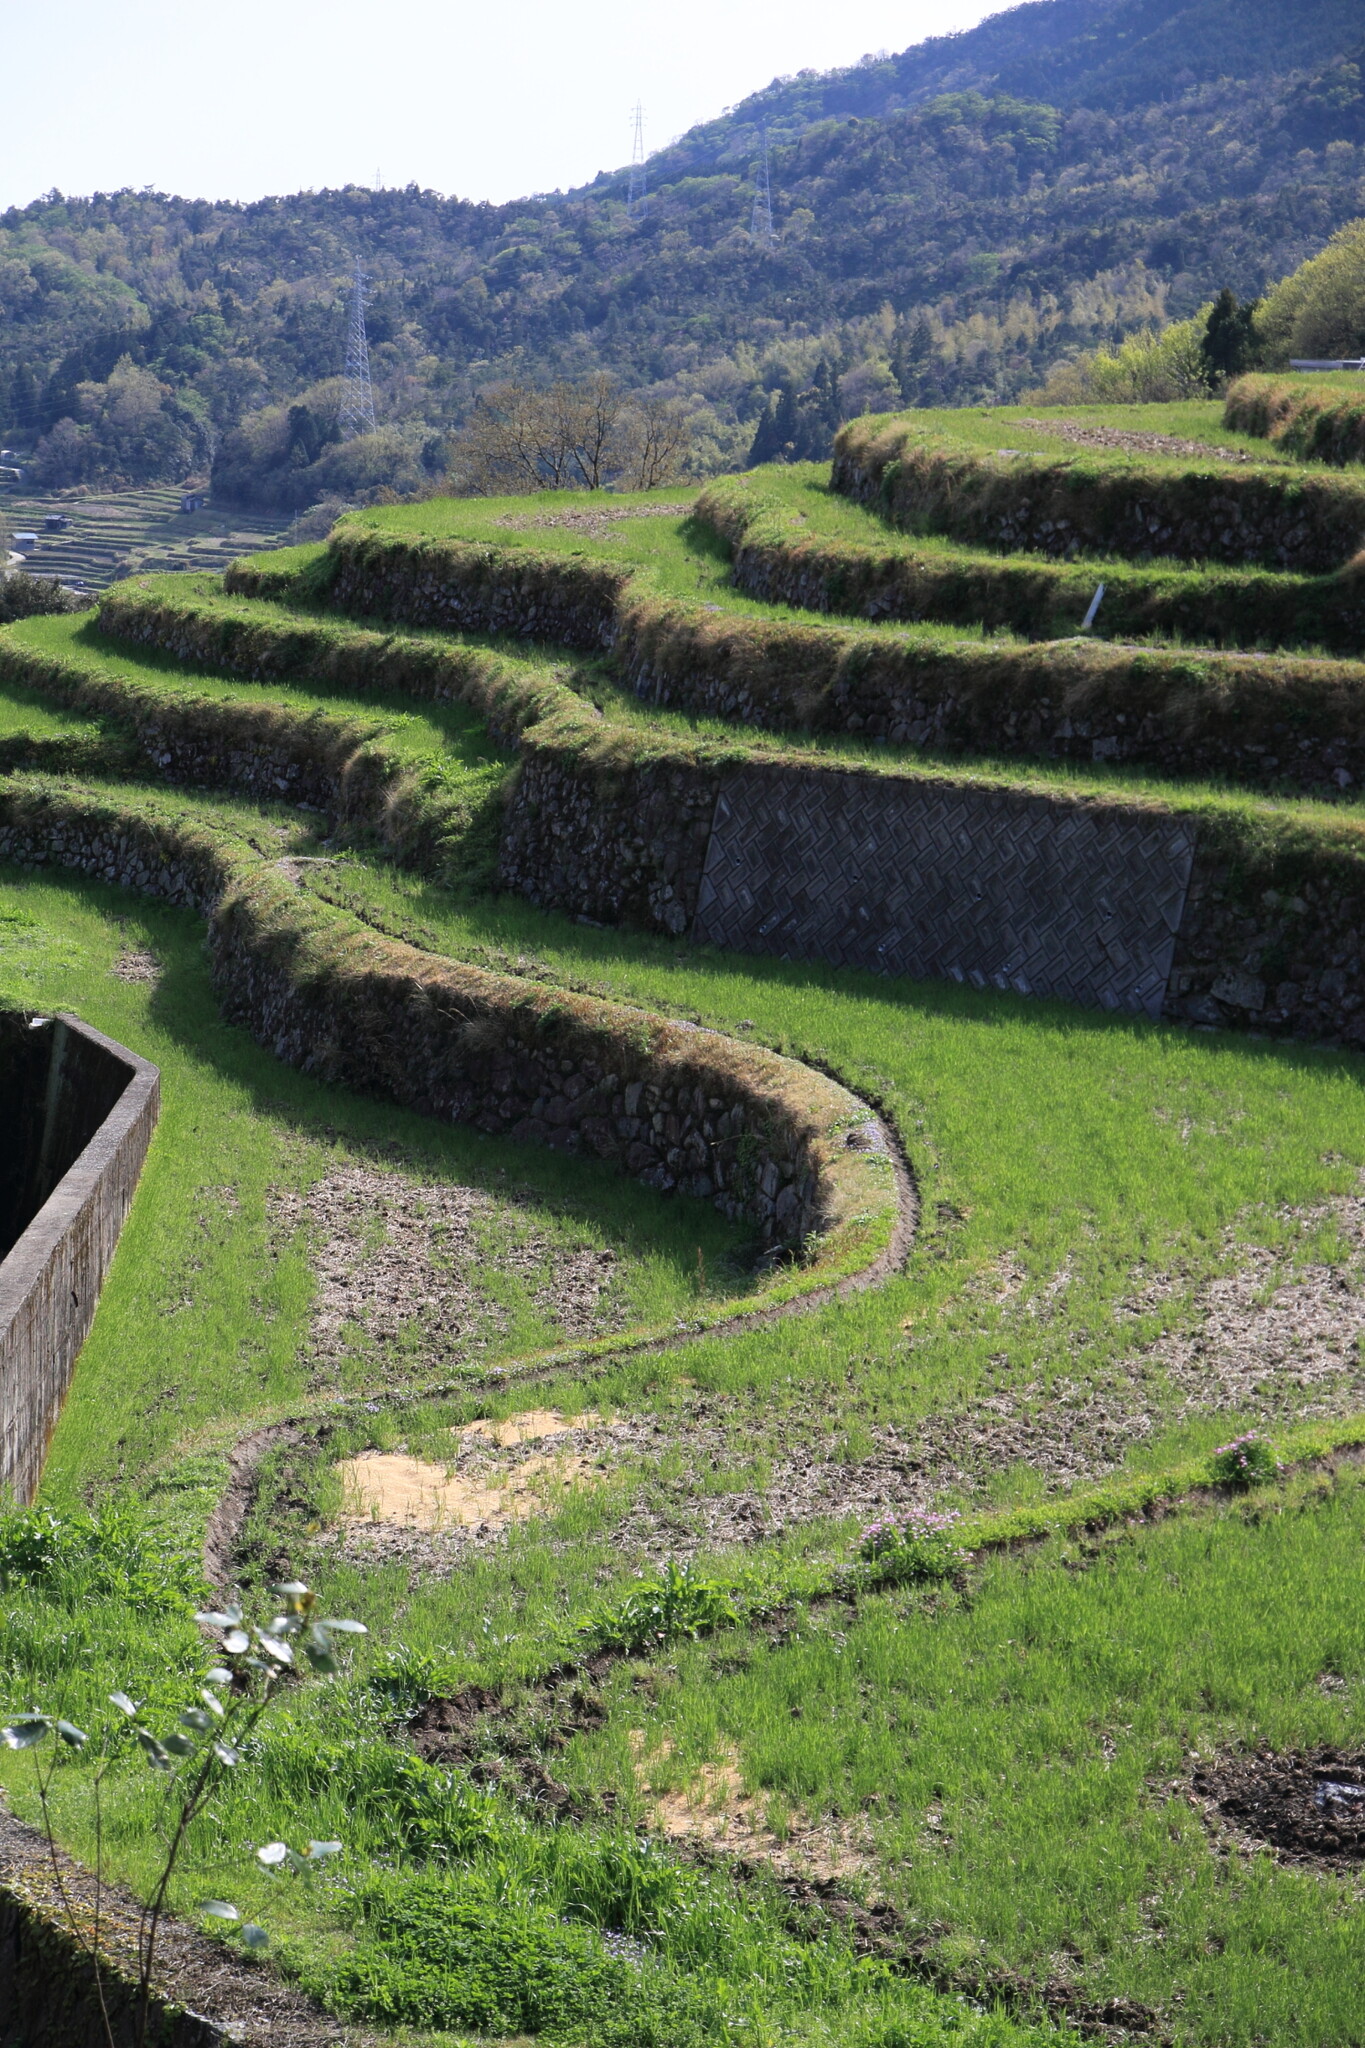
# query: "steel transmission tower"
761,221
355,414
639,192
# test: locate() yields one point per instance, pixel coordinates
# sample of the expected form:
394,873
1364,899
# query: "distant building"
1340,363
55,522
192,501
25,543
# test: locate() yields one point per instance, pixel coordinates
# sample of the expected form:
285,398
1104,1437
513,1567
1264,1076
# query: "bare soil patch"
137,965
1307,1805
714,1810
431,1513
384,1486
596,520
1146,444
413,1273
1279,1344
476,1731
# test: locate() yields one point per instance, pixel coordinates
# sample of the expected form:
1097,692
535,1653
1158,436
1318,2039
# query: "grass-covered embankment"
1286,720
796,541
1315,419
1110,1151
1098,491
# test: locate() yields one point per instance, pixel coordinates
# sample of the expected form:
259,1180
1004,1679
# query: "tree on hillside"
799,426
1319,310
129,429
1229,345
569,437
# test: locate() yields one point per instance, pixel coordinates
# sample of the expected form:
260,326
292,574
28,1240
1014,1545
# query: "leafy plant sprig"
252,1662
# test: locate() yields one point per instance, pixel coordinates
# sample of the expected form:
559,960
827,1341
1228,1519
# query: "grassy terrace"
1135,1242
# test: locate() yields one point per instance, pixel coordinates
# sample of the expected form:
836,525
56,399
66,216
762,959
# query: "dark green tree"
1229,344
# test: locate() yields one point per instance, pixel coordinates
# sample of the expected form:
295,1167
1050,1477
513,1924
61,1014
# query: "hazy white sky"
489,101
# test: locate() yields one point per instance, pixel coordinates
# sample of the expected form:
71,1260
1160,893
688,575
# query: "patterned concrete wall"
50,1281
982,886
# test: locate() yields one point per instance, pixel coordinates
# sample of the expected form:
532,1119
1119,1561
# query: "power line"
355,415
638,201
761,220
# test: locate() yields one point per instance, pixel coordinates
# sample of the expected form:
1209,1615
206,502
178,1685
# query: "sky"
486,101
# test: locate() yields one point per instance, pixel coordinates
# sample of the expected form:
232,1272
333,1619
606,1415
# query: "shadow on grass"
508,927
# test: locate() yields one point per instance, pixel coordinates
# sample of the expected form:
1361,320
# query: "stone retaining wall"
1275,721
609,831
676,1107
51,1279
472,589
1052,505
1048,601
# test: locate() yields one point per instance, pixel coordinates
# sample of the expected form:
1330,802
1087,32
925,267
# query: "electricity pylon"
355,415
761,221
639,192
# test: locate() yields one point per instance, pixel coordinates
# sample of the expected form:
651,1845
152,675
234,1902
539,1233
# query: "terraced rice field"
129,531
787,1624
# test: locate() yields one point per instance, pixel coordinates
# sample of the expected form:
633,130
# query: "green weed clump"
679,1602
110,1552
1245,1462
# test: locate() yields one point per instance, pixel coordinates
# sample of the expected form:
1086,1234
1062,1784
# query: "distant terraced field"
127,531
734,1024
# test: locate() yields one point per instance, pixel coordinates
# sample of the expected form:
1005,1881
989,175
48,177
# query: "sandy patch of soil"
410,1268
1307,1805
1120,437
532,1425
137,965
597,520
430,1514
385,1486
715,1811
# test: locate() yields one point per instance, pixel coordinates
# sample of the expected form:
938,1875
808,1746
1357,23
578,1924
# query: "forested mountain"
948,222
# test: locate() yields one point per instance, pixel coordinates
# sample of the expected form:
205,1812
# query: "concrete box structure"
80,1117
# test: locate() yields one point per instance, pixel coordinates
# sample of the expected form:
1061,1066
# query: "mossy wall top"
1281,517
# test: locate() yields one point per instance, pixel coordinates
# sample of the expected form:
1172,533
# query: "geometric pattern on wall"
997,889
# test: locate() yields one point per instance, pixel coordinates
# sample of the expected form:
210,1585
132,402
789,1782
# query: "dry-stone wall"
1304,522
1274,720
460,585
674,1106
1048,601
612,847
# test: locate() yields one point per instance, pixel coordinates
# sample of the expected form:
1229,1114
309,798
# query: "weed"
680,1602
1247,1461
910,1549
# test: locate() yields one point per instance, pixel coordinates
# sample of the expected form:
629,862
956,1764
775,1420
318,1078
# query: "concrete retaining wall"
931,875
50,1282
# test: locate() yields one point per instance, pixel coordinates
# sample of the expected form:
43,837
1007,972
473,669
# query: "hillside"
948,222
